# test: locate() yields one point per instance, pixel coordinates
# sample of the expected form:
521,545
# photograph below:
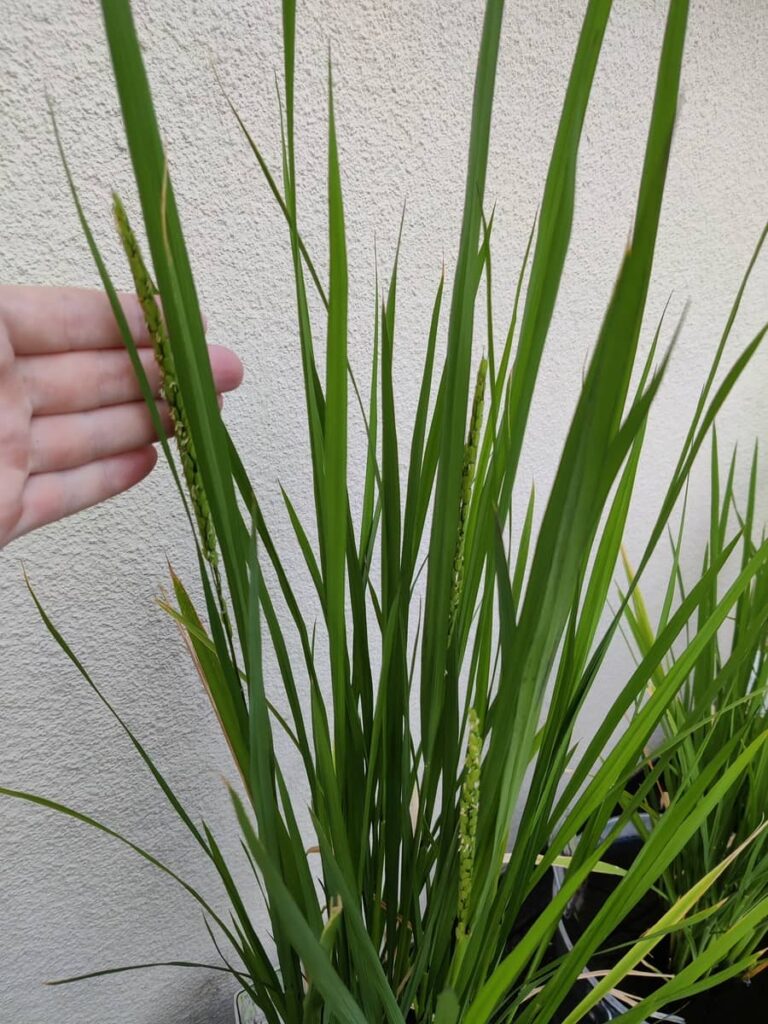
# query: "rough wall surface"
70,900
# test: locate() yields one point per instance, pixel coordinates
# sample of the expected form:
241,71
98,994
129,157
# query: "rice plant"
421,877
721,706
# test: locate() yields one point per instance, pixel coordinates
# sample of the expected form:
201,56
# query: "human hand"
74,429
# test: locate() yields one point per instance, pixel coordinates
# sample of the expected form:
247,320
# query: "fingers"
78,381
71,382
15,415
226,367
15,412
51,496
74,439
47,320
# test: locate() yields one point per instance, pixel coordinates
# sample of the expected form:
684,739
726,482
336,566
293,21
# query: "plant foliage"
421,875
721,706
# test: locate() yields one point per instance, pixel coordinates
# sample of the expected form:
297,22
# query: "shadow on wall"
203,999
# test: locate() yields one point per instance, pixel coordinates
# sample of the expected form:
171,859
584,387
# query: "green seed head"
469,807
467,478
147,292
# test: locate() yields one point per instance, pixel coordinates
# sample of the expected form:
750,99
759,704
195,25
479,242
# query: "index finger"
43,320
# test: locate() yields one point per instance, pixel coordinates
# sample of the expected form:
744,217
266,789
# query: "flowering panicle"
467,478
469,806
147,292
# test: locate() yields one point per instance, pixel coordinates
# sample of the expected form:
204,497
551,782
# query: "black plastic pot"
587,905
734,1002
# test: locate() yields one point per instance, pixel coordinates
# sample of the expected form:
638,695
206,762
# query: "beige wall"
72,901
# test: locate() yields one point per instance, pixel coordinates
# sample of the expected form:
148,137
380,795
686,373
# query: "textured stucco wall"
71,900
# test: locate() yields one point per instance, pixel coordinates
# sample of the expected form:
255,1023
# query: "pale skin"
74,429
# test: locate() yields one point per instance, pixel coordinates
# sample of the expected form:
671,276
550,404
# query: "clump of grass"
720,709
411,919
